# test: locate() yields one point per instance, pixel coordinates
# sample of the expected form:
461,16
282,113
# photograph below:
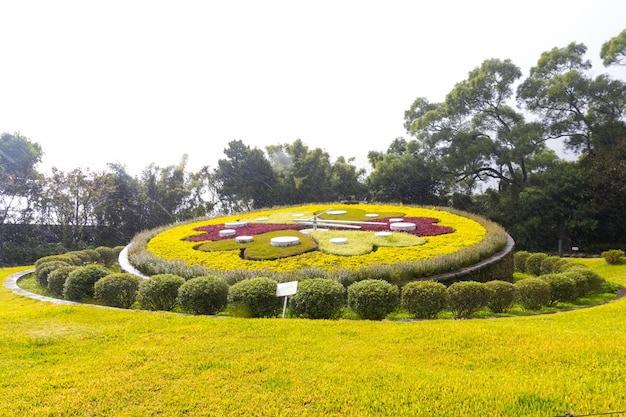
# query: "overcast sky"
137,82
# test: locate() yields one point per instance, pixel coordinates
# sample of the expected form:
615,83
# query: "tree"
403,176
475,135
18,177
613,51
561,92
245,178
72,200
345,180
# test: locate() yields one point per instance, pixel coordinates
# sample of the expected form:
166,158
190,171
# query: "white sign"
285,289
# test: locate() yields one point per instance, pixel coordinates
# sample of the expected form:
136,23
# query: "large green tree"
476,136
613,51
586,112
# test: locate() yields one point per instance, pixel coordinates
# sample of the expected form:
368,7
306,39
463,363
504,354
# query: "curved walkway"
11,284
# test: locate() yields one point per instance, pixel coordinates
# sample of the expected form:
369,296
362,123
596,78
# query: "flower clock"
325,236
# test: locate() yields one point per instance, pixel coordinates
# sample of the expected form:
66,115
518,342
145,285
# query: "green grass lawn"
81,360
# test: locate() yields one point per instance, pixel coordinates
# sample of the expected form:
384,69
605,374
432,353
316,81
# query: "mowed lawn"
86,361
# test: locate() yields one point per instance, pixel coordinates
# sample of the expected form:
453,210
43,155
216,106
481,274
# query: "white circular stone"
371,215
336,212
383,234
339,240
235,225
307,231
284,241
297,215
395,220
403,226
262,219
227,232
244,239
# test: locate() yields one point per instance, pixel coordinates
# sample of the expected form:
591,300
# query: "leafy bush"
425,299
79,285
593,281
66,257
562,265
318,298
562,287
117,290
533,293
373,299
257,296
467,297
203,295
613,256
533,263
519,260
108,256
502,295
57,278
549,264
42,270
159,292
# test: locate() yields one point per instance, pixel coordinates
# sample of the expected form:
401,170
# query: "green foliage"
257,296
591,280
533,263
68,258
203,295
117,290
87,256
79,285
57,278
425,299
548,264
519,259
562,288
159,292
533,293
502,295
373,299
42,271
467,297
318,298
108,256
613,256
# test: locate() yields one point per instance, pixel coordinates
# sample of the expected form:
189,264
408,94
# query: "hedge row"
557,280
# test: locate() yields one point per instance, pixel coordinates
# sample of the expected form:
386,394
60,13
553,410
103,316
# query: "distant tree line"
484,149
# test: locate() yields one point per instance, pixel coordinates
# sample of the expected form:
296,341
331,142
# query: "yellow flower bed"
171,244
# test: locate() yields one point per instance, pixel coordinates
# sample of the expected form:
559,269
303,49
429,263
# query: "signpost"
285,289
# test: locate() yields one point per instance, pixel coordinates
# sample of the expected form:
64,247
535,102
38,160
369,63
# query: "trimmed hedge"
502,295
533,263
257,296
467,297
425,299
159,292
533,293
117,290
318,298
519,260
613,256
57,278
203,295
79,285
43,269
373,299
562,288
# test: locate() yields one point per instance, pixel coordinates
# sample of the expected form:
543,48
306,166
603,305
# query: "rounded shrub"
549,265
533,293
425,299
519,260
562,265
80,283
108,257
467,297
159,292
613,256
533,263
57,278
117,290
44,269
257,296
318,298
203,295
502,295
373,299
562,288
66,257
593,281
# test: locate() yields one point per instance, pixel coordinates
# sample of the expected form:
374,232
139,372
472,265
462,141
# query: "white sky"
137,82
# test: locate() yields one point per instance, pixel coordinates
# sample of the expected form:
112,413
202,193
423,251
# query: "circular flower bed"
331,238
